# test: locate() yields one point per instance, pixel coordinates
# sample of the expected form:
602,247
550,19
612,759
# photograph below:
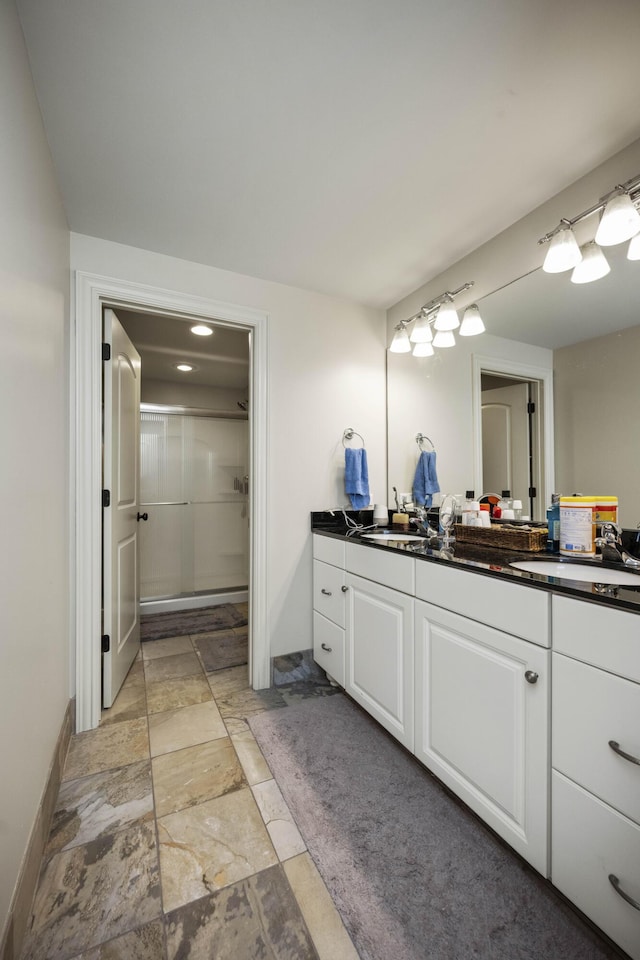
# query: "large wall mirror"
541,329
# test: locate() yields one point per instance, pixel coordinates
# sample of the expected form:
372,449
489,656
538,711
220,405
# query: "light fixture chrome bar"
448,295
632,187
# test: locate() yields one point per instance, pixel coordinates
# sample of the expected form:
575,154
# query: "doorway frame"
523,371
92,293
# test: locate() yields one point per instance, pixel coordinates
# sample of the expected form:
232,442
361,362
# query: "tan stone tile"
145,943
242,608
247,702
230,680
184,727
284,833
114,745
256,768
187,777
324,923
131,701
171,668
171,694
152,649
211,846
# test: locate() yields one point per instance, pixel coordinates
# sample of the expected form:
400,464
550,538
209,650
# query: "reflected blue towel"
425,482
356,477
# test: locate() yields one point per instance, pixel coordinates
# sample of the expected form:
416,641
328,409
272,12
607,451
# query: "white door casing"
92,294
121,569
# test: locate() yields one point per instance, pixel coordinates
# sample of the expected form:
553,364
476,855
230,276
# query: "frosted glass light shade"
472,323
620,221
423,350
400,342
421,332
447,318
563,253
592,266
444,338
633,253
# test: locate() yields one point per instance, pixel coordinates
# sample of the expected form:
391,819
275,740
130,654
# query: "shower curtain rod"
179,411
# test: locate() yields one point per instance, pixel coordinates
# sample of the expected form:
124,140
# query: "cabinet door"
482,727
379,662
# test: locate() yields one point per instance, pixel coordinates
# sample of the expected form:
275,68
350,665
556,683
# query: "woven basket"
504,538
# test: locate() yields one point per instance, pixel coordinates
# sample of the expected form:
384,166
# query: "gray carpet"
414,875
158,626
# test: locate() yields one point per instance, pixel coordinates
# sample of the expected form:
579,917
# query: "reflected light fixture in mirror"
472,323
421,332
444,338
447,317
593,265
423,350
619,222
184,367
201,330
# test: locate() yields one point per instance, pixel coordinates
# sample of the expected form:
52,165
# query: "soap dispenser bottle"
553,524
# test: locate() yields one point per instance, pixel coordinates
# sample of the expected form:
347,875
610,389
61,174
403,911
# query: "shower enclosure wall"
194,548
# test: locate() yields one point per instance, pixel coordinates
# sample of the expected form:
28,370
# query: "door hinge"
531,407
106,351
106,643
532,492
106,498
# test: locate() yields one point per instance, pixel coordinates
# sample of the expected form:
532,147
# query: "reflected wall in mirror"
588,335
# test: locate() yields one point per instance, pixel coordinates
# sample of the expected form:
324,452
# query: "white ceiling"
354,147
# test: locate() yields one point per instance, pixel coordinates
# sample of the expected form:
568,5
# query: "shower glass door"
194,486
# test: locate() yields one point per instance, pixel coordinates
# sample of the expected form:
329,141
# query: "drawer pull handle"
531,676
325,647
344,589
615,746
615,883
327,593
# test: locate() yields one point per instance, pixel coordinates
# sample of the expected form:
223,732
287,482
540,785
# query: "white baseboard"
174,604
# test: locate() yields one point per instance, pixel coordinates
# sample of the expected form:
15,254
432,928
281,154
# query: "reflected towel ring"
349,434
421,437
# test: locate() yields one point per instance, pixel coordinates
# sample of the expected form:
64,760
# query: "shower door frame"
92,294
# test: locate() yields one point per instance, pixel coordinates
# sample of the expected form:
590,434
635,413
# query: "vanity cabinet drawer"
590,708
389,567
329,592
598,634
520,611
328,550
590,842
328,647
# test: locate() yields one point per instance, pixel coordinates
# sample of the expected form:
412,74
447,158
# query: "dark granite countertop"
485,561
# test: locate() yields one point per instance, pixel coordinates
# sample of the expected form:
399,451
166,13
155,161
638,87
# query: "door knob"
142,516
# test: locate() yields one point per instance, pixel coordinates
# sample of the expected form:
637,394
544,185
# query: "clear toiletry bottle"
467,508
553,524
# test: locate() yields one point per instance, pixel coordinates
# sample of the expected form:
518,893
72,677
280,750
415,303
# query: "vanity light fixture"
593,265
202,330
437,315
401,342
619,221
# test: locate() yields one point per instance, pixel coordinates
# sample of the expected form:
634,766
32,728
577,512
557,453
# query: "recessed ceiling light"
184,367
201,330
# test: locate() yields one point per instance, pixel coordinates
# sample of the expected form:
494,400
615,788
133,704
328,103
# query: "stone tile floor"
171,839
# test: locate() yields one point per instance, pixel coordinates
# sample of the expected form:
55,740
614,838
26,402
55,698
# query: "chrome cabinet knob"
531,676
344,589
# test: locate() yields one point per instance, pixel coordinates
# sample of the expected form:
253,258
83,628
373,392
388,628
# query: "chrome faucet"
421,522
610,543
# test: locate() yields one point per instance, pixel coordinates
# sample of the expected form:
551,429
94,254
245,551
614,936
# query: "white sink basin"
392,537
588,572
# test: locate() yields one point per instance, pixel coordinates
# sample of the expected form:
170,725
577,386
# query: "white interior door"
505,441
121,608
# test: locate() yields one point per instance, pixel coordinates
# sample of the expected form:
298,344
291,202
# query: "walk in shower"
194,547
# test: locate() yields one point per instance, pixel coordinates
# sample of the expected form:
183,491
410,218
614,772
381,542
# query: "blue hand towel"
425,482
356,477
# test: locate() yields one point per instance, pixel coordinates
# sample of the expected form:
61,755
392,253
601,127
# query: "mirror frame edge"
482,362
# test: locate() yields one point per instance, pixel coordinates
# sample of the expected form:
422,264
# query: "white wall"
192,395
34,280
326,372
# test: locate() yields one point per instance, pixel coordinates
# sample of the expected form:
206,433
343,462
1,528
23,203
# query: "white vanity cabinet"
595,786
329,605
379,661
482,723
